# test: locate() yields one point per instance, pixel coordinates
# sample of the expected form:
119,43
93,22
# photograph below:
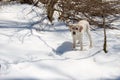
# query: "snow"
26,54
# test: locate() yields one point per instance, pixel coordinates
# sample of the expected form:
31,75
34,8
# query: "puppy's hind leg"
81,41
90,38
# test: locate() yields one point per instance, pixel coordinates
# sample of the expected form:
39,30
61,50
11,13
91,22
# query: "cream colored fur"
78,30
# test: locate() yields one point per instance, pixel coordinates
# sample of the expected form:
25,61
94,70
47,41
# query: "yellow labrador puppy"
78,30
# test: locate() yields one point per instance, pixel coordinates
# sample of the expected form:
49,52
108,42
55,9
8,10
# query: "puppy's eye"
73,28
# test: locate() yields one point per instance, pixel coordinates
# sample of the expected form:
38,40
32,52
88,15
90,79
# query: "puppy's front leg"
74,39
74,43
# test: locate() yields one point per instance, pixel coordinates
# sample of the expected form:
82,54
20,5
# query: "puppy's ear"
70,27
80,28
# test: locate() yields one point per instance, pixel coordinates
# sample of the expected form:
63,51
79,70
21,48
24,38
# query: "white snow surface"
26,54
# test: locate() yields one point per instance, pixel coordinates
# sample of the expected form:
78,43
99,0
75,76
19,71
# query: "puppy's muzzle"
74,33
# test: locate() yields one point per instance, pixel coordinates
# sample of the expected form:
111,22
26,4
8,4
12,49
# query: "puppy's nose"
74,33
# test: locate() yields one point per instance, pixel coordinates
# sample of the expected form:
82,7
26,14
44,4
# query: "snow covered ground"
26,54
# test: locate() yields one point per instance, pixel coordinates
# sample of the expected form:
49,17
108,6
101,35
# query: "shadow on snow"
64,47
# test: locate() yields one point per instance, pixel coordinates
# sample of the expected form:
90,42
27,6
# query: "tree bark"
50,9
105,36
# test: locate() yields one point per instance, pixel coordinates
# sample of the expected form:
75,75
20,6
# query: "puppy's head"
74,28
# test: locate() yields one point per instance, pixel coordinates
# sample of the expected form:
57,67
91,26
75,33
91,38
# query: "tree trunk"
105,36
50,9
